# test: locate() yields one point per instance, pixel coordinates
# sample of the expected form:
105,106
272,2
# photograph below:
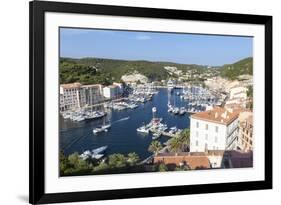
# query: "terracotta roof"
218,115
194,162
70,85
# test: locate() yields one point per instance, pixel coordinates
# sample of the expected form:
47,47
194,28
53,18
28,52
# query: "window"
216,139
197,134
197,124
196,142
206,136
217,129
206,126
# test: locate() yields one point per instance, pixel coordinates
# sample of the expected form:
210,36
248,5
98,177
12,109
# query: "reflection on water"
122,137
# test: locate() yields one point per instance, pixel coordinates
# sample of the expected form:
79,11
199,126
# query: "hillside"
106,71
242,67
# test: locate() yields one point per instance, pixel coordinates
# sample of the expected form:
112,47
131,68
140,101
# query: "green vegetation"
250,92
250,97
105,71
115,163
155,147
162,167
70,72
242,67
180,142
133,158
182,168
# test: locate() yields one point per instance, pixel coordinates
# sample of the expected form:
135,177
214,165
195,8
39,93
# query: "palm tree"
132,158
185,137
155,147
175,144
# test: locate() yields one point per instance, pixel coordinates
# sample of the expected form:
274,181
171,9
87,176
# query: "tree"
250,92
132,158
162,167
101,167
250,97
182,168
155,147
77,163
63,163
185,137
175,144
117,161
179,142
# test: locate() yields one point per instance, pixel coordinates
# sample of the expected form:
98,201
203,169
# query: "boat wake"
120,120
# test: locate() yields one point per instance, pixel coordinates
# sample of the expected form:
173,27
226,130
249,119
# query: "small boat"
78,118
156,135
170,109
97,156
103,128
132,106
176,110
143,129
99,150
162,127
173,130
85,155
97,130
182,111
106,126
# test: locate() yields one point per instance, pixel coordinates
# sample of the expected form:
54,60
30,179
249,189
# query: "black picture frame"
37,10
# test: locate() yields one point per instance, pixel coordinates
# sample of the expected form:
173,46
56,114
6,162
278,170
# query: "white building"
238,92
70,96
110,91
237,95
216,129
75,95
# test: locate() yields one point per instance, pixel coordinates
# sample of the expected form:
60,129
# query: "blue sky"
179,48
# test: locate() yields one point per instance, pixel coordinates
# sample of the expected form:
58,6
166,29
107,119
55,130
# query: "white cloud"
143,37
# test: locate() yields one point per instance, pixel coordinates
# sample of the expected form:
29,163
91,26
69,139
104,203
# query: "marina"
130,124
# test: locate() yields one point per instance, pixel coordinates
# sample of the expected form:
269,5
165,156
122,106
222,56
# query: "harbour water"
122,137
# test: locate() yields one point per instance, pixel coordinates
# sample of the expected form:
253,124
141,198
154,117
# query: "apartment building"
76,95
215,129
245,137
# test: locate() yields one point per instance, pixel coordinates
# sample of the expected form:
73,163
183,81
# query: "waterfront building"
245,137
110,92
91,94
75,95
70,96
215,129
